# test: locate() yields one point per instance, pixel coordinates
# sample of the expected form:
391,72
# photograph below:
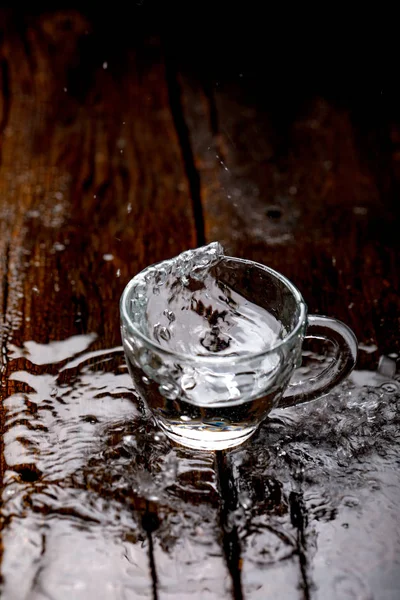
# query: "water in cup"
191,312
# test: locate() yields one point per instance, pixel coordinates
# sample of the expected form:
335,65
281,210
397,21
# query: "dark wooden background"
127,136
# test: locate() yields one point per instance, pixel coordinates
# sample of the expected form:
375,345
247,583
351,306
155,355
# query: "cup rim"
212,359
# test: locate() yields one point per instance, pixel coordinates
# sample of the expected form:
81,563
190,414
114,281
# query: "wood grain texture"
93,188
119,147
308,186
308,189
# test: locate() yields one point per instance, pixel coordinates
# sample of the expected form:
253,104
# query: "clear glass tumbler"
212,402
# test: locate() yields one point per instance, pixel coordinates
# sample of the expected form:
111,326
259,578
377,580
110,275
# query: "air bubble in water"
161,276
161,332
170,315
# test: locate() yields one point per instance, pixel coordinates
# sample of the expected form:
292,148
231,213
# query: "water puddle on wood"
88,480
322,481
97,503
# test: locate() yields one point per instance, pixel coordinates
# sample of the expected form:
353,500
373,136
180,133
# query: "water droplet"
58,246
188,382
105,65
129,439
390,387
108,257
244,500
146,380
387,366
169,314
153,497
369,348
161,332
169,390
350,501
161,276
360,210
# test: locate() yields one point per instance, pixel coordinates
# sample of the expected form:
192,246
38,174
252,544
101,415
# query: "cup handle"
346,344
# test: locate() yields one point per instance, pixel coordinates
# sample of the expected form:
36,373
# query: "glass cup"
212,402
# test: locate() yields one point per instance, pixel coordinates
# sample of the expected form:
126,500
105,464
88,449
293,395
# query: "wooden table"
122,144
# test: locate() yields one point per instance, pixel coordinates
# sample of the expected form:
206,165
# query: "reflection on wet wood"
89,154
294,185
113,156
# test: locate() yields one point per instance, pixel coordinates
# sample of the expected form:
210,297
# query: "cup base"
201,439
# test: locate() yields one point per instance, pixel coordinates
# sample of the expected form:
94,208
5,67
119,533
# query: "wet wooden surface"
120,147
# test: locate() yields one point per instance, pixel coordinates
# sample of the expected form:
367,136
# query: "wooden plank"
303,197
308,186
188,553
92,189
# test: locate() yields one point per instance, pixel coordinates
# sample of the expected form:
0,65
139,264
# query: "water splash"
84,467
53,352
340,455
184,305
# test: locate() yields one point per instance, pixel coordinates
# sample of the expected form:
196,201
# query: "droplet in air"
387,366
108,257
58,246
369,348
105,65
360,210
